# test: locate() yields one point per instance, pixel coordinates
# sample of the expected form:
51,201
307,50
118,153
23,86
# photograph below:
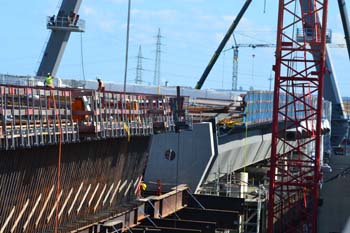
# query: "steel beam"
346,25
205,227
217,203
224,219
164,229
222,45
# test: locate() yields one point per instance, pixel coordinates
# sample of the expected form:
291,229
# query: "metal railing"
35,115
309,35
65,23
32,116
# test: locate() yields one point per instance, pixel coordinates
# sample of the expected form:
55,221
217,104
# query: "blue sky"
191,30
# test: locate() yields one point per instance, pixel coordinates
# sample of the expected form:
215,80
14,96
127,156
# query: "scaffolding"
31,116
36,116
237,185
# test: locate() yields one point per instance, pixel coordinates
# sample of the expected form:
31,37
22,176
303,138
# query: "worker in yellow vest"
49,81
140,191
143,186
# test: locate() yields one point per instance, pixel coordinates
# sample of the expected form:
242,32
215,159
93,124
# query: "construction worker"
49,81
142,189
101,86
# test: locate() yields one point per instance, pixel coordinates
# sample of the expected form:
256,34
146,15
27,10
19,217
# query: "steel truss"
299,74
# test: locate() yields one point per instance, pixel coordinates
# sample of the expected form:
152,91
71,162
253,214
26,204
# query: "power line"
253,37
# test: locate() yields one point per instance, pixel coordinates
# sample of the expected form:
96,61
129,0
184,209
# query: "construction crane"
297,115
300,77
235,49
346,26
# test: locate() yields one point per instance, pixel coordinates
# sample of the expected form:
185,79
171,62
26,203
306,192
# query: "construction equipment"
66,21
299,75
332,94
236,47
222,45
235,58
345,21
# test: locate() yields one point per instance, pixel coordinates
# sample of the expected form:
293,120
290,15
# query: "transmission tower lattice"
156,79
270,82
138,79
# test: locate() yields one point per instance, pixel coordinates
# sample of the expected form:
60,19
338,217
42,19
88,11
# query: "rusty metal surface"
133,216
105,139
171,204
158,214
97,178
32,116
165,213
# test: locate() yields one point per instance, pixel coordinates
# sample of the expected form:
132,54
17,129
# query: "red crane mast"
297,115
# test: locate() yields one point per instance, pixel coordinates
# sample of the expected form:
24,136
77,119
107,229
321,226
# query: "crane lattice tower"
297,117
